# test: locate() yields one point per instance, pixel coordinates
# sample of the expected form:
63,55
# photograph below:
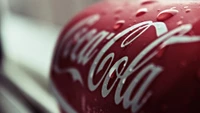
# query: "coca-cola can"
130,57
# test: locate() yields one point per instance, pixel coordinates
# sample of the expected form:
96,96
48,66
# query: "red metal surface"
149,64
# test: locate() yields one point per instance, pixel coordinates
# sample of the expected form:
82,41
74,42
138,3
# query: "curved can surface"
130,57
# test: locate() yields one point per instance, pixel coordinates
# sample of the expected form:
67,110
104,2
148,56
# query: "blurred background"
28,33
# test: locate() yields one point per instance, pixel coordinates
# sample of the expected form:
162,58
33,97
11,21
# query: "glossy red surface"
156,49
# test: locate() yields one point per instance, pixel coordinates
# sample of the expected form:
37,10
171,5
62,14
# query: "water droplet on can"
188,10
124,65
124,80
95,99
182,17
148,2
118,10
74,41
103,12
179,23
118,24
173,8
160,53
166,14
111,75
183,64
130,69
117,17
186,7
95,63
83,102
141,12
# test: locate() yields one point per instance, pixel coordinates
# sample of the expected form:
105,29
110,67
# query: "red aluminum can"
130,57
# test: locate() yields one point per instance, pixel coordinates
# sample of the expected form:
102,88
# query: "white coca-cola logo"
82,55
